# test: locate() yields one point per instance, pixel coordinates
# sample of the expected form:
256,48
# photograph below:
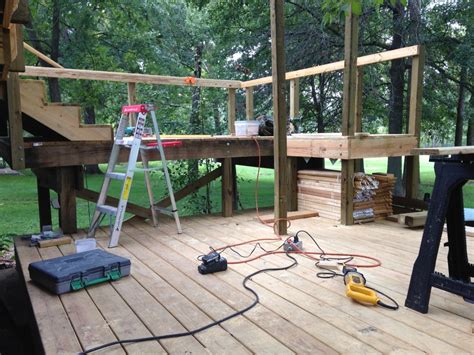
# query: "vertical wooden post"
277,19
359,163
231,111
292,184
294,98
249,112
15,122
227,188
351,36
414,122
67,182
132,99
44,205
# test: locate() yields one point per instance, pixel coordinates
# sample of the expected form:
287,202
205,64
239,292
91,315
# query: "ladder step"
116,176
106,209
165,211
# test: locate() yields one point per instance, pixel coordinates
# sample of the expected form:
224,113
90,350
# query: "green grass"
19,211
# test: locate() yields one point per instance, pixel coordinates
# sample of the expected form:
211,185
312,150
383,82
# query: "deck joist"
298,312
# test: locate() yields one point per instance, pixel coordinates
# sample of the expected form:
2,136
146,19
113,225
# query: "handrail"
126,77
41,56
380,57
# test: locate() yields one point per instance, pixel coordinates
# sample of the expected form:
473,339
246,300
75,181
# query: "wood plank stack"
320,190
383,196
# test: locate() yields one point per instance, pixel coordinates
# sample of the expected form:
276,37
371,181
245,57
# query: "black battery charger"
212,262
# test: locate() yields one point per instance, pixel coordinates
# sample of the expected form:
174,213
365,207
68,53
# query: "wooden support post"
15,122
277,19
359,163
292,184
414,123
349,113
231,111
67,183
249,108
44,205
227,188
294,98
132,99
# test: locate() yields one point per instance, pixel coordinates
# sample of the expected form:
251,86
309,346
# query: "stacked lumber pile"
320,190
383,197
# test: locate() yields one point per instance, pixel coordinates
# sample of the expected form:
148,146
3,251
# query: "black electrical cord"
210,325
395,305
257,245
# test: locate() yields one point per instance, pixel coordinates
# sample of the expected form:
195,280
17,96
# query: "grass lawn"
19,211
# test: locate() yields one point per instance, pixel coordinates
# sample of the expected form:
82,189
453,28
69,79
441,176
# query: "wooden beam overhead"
126,77
277,20
330,67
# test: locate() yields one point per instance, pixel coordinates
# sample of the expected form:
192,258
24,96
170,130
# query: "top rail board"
126,77
361,61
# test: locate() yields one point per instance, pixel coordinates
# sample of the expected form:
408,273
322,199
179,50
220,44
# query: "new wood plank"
443,150
152,313
243,329
411,318
293,215
55,329
318,327
125,77
89,325
380,340
325,68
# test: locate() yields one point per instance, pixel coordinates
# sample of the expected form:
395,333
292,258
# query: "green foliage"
6,242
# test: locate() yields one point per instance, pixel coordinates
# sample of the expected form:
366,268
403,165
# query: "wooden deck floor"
298,312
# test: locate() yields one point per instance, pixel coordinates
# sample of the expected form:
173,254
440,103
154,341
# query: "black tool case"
76,271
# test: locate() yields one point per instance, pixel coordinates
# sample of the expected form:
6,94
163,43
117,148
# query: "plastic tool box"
76,271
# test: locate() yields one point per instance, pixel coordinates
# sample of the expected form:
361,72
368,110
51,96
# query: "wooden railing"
233,85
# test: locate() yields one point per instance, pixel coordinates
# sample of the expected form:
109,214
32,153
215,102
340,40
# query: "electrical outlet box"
287,246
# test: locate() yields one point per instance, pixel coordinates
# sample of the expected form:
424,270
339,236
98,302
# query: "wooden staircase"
63,119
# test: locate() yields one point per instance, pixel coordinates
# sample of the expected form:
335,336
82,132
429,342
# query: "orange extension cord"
308,254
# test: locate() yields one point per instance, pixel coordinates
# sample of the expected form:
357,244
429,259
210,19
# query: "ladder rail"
174,208
135,146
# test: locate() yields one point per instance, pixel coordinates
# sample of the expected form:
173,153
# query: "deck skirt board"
298,312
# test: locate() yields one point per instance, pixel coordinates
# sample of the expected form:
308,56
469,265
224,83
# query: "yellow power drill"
357,289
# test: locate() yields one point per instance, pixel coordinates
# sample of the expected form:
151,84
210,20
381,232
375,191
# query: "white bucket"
85,244
246,128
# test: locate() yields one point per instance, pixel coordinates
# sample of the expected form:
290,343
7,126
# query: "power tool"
357,289
212,262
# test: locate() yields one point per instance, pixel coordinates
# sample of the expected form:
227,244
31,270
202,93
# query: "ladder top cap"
142,108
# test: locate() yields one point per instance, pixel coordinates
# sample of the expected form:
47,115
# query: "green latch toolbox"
76,271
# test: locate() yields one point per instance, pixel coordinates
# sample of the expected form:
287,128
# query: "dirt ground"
15,334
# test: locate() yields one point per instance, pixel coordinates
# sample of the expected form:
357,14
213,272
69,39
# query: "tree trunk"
54,90
317,106
397,73
217,118
90,119
470,124
460,107
194,119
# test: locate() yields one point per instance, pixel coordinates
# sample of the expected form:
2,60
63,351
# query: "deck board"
297,313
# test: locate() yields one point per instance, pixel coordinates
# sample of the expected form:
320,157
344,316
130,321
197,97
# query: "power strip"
290,246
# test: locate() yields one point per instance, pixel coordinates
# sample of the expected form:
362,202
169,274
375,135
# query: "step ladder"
135,146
